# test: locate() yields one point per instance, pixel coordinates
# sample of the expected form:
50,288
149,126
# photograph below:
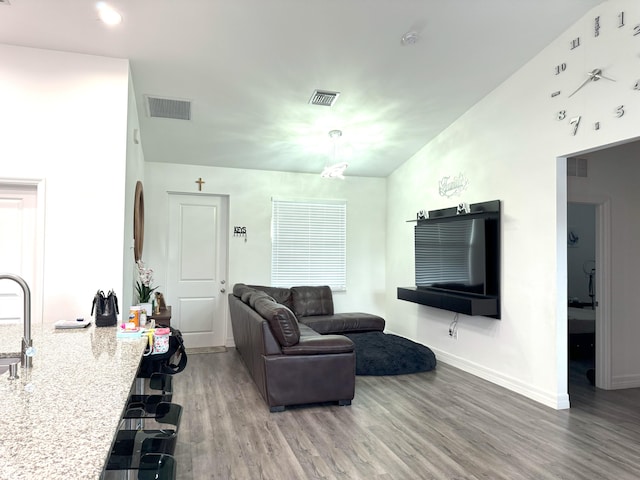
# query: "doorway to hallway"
581,292
610,185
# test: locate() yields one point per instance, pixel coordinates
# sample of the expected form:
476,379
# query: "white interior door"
197,267
18,204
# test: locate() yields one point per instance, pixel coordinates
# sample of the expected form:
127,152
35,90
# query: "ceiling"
249,67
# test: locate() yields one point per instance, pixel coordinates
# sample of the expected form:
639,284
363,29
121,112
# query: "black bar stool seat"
132,445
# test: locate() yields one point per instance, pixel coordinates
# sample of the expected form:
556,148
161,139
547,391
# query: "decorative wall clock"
138,222
593,75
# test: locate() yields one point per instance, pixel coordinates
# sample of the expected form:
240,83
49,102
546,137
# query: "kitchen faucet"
26,355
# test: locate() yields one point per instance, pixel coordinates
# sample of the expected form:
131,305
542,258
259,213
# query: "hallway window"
308,243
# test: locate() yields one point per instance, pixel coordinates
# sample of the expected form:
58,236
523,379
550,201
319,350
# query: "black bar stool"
140,406
159,436
155,466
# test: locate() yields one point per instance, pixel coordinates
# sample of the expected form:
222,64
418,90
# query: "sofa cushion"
320,345
255,295
248,294
282,321
280,295
345,323
240,289
309,301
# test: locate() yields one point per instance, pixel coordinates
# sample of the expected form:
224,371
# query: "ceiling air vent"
577,167
169,108
324,98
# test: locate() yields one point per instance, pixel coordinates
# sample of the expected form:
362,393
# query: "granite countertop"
59,418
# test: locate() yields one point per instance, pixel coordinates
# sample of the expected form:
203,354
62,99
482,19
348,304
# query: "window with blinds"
309,243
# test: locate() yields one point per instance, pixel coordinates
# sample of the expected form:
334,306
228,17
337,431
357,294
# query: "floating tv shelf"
468,303
461,301
492,206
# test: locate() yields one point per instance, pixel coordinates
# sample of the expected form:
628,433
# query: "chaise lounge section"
290,341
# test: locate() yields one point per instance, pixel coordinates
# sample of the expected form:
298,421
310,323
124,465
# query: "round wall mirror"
138,222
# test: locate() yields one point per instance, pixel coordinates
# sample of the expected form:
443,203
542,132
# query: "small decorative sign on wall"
240,232
450,186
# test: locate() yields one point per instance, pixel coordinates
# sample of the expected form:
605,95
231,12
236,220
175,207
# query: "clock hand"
592,76
597,75
589,79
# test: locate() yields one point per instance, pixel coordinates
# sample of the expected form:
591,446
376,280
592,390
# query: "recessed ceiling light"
107,14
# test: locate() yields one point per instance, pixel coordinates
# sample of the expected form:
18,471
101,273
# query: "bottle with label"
134,315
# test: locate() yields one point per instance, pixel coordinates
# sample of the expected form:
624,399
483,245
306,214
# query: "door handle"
222,290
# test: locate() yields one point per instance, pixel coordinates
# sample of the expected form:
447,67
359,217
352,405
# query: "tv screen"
452,254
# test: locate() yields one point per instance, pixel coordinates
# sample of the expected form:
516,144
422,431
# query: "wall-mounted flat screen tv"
459,253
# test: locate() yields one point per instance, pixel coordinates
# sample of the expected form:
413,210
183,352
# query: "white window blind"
309,243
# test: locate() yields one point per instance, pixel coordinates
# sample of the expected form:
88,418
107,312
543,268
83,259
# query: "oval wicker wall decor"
138,222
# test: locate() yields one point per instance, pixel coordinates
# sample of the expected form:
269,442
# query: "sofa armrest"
320,345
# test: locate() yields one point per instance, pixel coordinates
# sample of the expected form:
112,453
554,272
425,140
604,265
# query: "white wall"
508,147
63,121
250,193
134,172
613,175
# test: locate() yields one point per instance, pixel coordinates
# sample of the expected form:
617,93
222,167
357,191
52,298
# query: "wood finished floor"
444,424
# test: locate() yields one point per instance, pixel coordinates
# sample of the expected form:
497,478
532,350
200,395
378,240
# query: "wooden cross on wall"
200,182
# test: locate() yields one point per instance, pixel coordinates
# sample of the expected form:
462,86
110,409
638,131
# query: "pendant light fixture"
336,169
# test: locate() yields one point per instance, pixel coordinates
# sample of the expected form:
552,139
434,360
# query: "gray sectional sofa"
290,341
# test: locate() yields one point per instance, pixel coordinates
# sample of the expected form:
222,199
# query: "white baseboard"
625,381
558,402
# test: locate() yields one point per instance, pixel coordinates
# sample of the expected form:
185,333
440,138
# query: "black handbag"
105,308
